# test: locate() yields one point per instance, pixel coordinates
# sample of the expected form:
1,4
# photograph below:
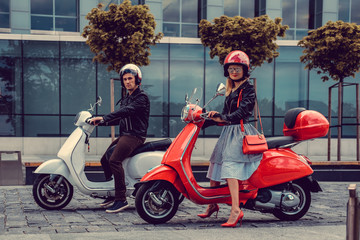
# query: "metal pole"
339,120
357,124
352,220
112,106
329,133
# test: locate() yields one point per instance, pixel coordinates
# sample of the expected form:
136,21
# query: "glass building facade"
47,75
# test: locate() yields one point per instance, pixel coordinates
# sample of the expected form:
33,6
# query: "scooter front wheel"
157,202
52,193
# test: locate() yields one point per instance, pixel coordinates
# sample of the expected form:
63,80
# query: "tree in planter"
121,35
255,36
333,49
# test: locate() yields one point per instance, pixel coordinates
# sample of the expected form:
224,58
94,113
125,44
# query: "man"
133,119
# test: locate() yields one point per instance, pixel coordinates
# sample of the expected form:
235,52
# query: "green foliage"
121,35
334,49
255,36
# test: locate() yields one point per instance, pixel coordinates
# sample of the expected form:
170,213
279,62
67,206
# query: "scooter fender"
163,173
55,166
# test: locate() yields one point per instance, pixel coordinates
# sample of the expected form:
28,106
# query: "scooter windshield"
196,96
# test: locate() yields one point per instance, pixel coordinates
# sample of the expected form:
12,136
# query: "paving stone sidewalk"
19,214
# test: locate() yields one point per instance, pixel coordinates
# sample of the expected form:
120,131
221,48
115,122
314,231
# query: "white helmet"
134,70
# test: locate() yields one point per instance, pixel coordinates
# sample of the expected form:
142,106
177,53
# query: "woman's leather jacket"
233,114
132,116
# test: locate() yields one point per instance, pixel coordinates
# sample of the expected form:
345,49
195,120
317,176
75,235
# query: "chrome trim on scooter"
187,177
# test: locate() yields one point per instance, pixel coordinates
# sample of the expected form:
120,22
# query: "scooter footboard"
55,166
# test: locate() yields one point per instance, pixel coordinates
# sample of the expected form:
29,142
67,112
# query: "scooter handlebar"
205,115
88,121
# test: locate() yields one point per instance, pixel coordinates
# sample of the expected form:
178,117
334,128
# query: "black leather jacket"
231,113
132,116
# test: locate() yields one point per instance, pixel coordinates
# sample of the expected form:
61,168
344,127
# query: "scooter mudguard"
279,166
164,173
55,166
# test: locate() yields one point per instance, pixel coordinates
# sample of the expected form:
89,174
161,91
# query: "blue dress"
228,160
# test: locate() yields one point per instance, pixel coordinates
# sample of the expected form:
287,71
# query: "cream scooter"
53,187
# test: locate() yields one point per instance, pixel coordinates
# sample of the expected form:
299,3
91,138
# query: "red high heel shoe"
239,218
211,211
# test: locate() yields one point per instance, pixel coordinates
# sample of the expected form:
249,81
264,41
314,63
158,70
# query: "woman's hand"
96,120
215,116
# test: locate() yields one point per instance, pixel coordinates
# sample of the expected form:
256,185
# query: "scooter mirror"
99,101
220,89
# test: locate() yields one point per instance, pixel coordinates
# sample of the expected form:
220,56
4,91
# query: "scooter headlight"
184,113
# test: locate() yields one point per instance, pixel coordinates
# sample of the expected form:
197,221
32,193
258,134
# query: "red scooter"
281,185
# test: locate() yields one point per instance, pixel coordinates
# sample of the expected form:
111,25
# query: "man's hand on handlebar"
95,121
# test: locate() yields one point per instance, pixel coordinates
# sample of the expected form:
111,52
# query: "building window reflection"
4,13
349,11
295,14
243,8
180,18
54,15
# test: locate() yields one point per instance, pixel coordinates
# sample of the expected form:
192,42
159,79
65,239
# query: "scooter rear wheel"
157,202
48,199
297,212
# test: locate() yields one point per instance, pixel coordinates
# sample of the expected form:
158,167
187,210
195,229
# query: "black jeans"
125,145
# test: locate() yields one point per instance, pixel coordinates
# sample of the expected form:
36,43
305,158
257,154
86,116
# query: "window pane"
214,74
288,13
4,5
302,19
171,30
344,10
247,8
41,77
189,31
67,125
355,16
77,85
10,88
41,23
186,73
264,87
158,127
318,93
42,7
189,11
65,24
231,8
290,74
104,89
41,84
176,126
155,83
41,126
4,21
171,10
66,7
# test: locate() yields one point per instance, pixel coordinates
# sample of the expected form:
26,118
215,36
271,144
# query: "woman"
227,161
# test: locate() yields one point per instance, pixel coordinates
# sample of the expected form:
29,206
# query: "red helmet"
236,57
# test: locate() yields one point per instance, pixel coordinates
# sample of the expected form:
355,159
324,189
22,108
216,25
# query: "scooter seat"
159,145
275,142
